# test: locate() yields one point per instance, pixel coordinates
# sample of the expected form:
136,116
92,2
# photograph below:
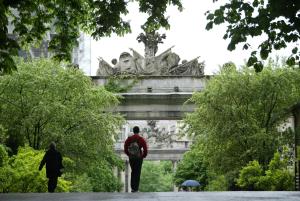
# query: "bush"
82,183
20,173
218,184
156,176
250,175
276,178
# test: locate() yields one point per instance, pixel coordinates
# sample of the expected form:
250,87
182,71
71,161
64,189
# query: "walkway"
170,196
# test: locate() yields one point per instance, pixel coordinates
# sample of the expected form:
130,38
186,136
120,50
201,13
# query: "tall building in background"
82,54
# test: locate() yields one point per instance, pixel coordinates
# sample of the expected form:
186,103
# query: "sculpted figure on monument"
192,67
151,40
159,136
104,68
126,64
166,63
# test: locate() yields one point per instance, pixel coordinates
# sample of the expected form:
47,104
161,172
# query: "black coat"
53,161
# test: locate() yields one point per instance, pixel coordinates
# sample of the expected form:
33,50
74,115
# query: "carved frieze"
166,63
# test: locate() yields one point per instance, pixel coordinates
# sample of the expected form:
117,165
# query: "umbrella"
192,183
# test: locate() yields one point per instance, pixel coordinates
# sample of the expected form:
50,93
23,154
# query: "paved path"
169,196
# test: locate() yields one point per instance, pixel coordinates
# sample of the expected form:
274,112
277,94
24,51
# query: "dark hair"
52,145
136,130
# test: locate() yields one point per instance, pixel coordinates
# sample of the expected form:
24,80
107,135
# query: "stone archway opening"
155,98
165,140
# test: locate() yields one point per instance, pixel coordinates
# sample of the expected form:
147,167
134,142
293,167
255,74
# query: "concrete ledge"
162,196
158,154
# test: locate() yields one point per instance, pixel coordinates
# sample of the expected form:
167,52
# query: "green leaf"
258,67
291,61
209,25
210,16
295,50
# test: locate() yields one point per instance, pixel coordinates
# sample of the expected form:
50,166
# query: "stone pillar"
122,178
296,114
115,172
175,188
119,176
127,184
129,177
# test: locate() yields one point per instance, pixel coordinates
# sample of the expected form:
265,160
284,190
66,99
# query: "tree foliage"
156,177
276,178
238,114
279,20
20,173
192,166
33,19
45,102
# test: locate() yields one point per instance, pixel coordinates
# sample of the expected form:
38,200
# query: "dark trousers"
136,167
52,183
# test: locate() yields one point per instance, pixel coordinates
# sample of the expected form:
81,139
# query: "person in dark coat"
53,161
136,162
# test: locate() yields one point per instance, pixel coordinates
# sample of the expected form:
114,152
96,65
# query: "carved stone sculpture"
158,136
166,63
151,40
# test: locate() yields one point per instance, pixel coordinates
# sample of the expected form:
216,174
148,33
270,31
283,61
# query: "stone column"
123,181
119,176
129,177
115,172
126,176
175,188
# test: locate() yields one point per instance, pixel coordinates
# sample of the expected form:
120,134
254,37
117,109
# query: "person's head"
52,145
136,130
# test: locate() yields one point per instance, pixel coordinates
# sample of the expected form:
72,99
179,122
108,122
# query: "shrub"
276,178
250,175
20,173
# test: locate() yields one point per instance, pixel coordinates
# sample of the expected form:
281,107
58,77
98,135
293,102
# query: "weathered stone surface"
166,63
165,101
169,196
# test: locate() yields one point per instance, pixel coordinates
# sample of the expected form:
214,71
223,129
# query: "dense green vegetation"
277,20
47,101
20,173
237,120
156,176
192,167
277,177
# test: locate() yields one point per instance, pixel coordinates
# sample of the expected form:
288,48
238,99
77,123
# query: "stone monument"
167,63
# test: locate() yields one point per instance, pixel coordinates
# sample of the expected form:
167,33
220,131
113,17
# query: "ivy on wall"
121,83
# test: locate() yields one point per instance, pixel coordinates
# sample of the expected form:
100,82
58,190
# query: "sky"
187,33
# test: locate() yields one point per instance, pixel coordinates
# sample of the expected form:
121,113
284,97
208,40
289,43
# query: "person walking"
53,161
135,148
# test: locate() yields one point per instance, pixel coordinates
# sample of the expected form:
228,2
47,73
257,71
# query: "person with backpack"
135,148
53,161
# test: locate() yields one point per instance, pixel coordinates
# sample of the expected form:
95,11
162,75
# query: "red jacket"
141,141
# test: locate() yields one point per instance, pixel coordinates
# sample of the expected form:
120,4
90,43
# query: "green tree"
102,178
192,167
156,177
250,175
45,101
238,113
20,173
279,20
277,177
32,19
